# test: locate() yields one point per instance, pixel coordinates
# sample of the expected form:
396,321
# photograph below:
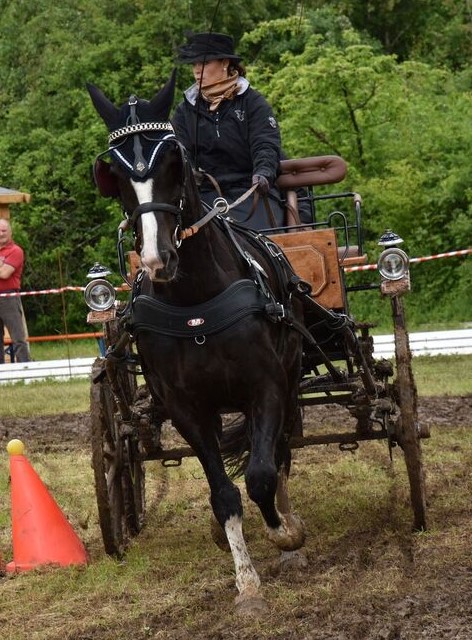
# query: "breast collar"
241,299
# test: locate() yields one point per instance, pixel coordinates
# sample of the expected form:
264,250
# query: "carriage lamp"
99,294
98,271
393,265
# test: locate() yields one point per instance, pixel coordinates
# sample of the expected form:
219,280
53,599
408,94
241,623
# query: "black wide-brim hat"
203,47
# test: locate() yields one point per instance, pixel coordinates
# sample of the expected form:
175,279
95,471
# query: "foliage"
401,121
403,129
437,31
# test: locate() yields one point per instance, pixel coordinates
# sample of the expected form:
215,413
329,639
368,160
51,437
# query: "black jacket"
240,139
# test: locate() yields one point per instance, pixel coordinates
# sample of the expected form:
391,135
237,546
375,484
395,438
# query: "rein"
220,206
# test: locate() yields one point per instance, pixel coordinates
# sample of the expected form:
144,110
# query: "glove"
262,184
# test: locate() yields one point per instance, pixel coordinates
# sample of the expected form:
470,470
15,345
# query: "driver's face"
210,72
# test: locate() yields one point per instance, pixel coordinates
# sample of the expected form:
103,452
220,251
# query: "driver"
230,131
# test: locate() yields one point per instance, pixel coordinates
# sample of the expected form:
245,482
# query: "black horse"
213,317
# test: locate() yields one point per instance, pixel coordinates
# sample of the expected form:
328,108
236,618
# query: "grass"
443,375
434,375
175,584
45,398
63,349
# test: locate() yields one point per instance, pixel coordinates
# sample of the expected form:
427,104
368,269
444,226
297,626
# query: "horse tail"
235,446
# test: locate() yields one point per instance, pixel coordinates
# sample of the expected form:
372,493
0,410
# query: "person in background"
229,131
11,310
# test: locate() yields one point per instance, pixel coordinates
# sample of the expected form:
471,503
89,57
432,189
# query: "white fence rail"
60,369
426,343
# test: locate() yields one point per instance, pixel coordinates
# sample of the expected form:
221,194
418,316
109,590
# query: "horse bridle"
141,167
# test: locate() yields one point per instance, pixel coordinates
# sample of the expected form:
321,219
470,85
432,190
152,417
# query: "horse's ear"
162,102
105,108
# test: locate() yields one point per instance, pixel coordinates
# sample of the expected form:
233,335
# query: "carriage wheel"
408,433
118,470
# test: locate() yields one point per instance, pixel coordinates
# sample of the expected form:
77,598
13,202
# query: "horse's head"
148,173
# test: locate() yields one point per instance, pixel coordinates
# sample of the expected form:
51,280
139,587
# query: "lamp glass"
393,264
99,295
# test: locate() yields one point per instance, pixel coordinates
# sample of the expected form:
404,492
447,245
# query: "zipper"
217,124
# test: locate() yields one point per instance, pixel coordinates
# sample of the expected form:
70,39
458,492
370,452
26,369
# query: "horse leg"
227,507
286,530
218,534
294,559
225,499
264,481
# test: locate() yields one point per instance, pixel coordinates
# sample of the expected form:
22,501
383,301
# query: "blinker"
105,180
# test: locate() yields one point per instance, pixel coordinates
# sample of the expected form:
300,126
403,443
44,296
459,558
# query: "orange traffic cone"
42,534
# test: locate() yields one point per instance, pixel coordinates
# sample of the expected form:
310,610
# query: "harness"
250,296
240,300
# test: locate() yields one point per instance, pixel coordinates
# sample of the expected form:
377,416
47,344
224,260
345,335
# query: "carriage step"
325,384
169,457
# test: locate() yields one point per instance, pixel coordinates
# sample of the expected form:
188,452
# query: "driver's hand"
262,184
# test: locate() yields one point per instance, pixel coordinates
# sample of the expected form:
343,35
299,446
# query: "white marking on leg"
247,580
150,258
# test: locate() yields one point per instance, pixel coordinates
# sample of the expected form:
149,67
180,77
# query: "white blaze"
150,258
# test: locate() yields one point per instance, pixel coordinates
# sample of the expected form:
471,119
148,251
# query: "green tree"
434,31
404,128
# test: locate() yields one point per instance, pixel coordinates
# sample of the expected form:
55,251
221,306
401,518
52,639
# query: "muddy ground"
61,429
431,600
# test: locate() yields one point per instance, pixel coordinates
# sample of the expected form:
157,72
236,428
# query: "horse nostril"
168,258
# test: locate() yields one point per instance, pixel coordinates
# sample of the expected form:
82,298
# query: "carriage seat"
309,172
312,171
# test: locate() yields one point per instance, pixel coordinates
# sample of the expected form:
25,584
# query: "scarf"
223,90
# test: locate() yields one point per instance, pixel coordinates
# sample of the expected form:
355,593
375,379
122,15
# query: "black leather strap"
241,299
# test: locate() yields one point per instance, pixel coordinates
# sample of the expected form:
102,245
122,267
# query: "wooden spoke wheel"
408,430
118,470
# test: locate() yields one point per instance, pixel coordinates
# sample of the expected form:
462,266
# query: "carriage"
335,362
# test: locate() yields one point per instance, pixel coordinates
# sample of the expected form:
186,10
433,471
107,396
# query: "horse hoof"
289,563
218,535
293,560
290,535
251,606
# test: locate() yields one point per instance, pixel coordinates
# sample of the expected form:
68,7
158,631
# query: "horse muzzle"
161,267
158,243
